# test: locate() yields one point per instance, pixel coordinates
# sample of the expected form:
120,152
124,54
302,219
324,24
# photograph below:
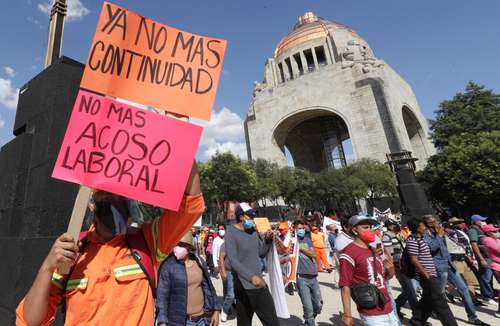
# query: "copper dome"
308,27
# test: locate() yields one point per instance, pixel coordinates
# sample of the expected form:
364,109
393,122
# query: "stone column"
304,62
285,70
316,65
329,52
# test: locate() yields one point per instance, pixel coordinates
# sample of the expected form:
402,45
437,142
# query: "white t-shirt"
218,241
342,241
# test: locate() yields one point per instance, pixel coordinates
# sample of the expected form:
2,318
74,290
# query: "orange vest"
107,286
318,240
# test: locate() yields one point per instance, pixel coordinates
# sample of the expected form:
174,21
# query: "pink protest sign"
125,150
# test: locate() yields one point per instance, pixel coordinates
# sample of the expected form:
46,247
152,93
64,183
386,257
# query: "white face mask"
483,223
222,232
180,252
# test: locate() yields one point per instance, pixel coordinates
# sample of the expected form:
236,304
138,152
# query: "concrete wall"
365,92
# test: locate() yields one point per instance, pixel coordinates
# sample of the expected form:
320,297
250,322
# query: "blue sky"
437,46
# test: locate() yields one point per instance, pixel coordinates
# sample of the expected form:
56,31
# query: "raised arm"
165,232
266,243
40,304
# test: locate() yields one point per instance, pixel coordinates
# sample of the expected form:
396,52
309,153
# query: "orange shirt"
107,286
318,240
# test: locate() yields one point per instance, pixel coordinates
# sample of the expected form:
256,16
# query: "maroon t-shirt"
356,267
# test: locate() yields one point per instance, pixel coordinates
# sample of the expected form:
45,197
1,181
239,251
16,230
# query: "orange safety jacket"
107,286
318,240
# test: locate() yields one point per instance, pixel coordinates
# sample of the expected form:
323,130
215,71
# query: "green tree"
266,173
226,177
378,179
295,186
465,175
475,110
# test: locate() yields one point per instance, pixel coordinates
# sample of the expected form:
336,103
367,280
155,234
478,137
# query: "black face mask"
112,214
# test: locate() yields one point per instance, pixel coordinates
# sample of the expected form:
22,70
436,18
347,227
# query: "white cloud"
238,149
8,94
2,122
223,133
9,71
76,10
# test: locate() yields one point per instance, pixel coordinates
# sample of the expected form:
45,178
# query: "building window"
282,75
289,66
297,59
320,55
309,59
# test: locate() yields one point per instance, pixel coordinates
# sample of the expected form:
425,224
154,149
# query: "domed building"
323,92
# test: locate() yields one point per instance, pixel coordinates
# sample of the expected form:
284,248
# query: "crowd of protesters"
435,262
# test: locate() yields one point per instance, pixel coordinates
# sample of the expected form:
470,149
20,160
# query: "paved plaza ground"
333,304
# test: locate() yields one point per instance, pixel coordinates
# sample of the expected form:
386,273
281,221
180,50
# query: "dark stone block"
21,258
34,208
55,86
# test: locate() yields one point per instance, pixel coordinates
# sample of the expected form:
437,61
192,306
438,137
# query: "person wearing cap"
485,273
105,267
458,244
446,270
362,265
432,298
491,242
244,249
186,295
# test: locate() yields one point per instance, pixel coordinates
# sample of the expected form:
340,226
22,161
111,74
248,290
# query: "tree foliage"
475,110
226,177
465,173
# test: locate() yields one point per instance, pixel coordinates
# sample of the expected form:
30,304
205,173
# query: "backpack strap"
142,255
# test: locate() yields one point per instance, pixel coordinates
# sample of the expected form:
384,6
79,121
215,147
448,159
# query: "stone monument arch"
325,86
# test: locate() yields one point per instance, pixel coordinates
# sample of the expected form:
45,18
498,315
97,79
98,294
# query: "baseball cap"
476,217
245,209
489,228
455,220
358,219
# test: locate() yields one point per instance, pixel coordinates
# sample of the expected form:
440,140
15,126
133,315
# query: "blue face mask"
248,224
301,233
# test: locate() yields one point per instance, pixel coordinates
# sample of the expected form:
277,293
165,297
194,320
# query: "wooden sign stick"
76,221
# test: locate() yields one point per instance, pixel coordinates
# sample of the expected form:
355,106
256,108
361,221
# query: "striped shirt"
416,246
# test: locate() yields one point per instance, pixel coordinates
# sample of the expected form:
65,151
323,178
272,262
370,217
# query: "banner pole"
76,220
